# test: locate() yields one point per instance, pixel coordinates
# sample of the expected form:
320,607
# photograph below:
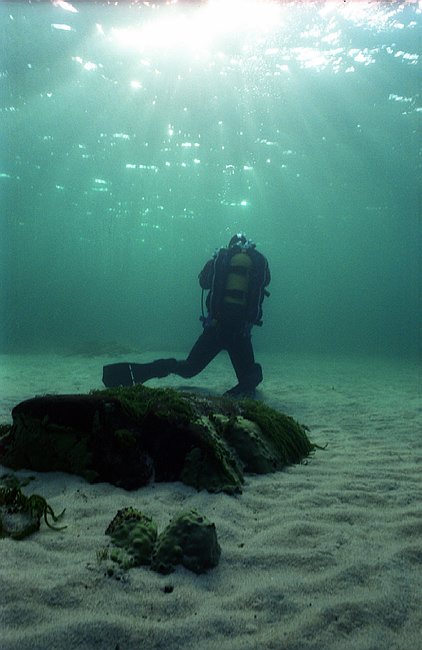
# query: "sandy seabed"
324,555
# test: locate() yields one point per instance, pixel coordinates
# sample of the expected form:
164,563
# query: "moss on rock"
211,465
286,436
138,401
257,454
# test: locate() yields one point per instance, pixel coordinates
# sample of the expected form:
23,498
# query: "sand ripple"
322,556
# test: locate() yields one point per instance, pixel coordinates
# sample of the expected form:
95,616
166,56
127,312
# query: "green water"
128,157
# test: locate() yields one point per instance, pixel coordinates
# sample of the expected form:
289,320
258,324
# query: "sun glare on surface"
199,29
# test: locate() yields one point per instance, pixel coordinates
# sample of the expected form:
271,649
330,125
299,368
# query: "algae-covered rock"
133,435
257,454
211,464
133,535
87,435
288,438
190,540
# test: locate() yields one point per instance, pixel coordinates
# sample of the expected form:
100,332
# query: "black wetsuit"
227,327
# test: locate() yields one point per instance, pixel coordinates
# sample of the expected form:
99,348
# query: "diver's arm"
262,262
267,276
205,277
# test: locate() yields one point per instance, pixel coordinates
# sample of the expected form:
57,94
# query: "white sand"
321,556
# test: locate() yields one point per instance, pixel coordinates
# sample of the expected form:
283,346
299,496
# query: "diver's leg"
203,352
248,372
153,370
128,374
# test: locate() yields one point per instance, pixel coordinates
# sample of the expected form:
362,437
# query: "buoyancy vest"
238,283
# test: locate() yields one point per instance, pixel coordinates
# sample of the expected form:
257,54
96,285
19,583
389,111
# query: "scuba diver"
236,279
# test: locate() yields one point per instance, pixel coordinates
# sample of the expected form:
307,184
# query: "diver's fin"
118,374
129,374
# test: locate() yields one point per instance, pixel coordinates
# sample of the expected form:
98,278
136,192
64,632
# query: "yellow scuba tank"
237,283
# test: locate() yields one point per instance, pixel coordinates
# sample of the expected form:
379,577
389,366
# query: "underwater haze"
136,139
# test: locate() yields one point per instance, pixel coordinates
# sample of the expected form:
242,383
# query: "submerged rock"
131,436
133,535
190,540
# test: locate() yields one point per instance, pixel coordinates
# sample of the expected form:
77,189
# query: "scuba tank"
238,285
237,281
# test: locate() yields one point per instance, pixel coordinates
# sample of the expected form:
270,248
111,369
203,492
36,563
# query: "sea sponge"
189,539
133,535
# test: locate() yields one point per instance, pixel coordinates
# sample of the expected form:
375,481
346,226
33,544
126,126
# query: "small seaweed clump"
20,515
189,539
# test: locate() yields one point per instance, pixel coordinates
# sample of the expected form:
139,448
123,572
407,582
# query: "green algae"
256,454
20,515
211,465
288,437
231,435
139,401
